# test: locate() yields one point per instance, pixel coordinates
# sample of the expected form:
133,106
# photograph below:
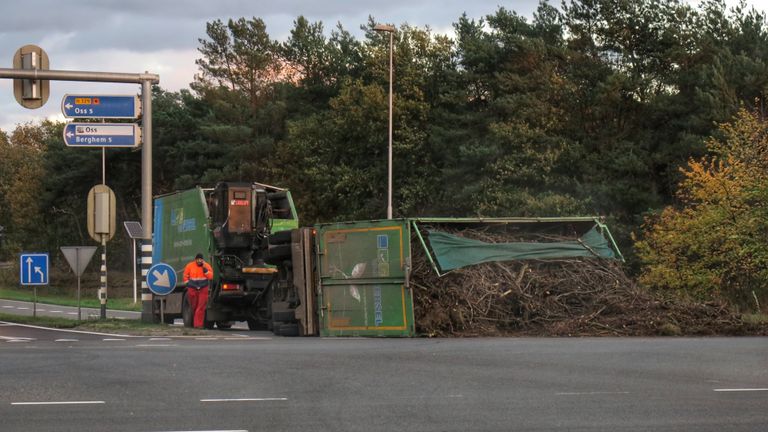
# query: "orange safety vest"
194,275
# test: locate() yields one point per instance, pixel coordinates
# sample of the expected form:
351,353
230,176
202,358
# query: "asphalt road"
246,383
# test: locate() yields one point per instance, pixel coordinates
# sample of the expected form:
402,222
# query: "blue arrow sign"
33,269
101,106
161,279
102,135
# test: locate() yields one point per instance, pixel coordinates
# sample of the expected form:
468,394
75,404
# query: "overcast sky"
161,36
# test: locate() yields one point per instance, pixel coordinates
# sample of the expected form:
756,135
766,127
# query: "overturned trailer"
336,279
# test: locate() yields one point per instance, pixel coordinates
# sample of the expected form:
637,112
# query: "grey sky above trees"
161,36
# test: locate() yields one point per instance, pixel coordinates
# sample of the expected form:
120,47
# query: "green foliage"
712,245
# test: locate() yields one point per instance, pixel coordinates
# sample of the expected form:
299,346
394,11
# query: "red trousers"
198,300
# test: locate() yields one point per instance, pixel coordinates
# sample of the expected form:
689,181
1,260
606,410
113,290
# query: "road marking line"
9,307
22,308
18,340
70,331
589,393
160,339
55,311
217,430
244,400
157,345
112,339
66,340
740,389
71,313
59,403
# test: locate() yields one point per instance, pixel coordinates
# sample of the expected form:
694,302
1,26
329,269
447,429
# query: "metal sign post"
134,232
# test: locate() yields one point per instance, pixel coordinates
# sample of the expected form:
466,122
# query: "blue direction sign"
161,279
101,106
102,135
33,269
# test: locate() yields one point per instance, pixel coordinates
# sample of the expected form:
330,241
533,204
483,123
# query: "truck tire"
284,315
186,313
253,324
208,325
289,329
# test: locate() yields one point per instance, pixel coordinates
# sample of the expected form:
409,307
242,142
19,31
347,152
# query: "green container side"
363,270
181,229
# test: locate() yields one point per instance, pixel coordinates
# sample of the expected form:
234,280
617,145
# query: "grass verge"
64,300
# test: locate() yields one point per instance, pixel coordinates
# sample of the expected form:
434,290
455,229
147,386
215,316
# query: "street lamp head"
384,28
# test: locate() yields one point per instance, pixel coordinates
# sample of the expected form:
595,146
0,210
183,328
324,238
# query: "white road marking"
740,389
70,331
217,430
55,311
66,340
157,345
22,308
112,339
71,313
15,338
589,393
18,340
8,307
59,403
159,339
244,400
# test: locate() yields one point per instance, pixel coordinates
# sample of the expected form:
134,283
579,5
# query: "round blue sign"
161,279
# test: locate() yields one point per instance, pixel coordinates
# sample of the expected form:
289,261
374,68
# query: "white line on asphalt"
9,307
157,345
159,339
244,400
71,313
741,390
217,430
66,340
54,311
17,340
59,403
69,331
22,308
112,339
589,393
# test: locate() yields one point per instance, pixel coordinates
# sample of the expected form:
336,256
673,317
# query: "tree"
711,246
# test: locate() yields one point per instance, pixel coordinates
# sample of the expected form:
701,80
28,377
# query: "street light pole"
391,30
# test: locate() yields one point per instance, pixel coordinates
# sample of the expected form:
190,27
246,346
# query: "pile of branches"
565,297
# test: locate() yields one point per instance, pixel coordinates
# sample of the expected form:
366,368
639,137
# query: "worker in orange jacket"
198,275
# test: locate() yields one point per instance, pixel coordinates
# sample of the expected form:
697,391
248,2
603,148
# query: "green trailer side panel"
181,229
363,270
